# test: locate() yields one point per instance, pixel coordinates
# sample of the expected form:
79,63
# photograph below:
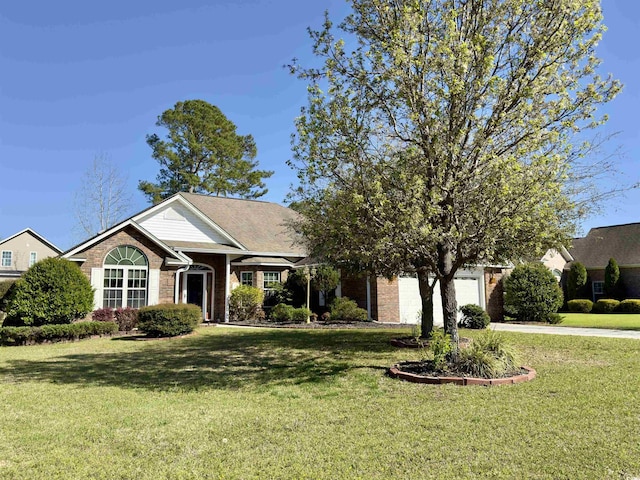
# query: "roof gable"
177,220
36,236
259,226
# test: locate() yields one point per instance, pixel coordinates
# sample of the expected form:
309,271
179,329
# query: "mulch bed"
412,342
424,372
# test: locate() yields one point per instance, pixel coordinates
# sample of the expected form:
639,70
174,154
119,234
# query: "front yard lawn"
618,321
261,403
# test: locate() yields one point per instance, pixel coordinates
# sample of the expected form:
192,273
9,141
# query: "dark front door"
195,289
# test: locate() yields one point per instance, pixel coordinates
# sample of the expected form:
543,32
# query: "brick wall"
96,254
386,300
494,293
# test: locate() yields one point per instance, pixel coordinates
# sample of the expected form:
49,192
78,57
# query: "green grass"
253,403
618,321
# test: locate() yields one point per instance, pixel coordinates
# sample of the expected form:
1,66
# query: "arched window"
126,271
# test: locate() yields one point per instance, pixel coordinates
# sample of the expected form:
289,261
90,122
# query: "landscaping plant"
245,303
474,317
169,320
345,309
53,290
532,293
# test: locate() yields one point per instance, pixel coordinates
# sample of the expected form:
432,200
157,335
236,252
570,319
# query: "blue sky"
80,78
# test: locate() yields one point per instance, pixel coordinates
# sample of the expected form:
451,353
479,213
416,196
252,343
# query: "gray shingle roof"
621,242
258,226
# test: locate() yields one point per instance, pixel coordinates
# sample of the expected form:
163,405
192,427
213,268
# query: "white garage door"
468,290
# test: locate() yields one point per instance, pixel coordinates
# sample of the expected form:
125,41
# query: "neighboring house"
556,261
621,242
21,250
196,248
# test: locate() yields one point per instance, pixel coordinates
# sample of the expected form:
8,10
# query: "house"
556,261
195,249
621,242
21,250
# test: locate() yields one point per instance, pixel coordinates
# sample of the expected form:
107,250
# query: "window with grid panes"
126,271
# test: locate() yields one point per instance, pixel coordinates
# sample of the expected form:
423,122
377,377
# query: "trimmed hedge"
631,305
605,305
473,316
169,320
301,314
126,318
282,313
54,333
580,305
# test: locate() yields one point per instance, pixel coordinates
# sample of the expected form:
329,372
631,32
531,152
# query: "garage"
469,289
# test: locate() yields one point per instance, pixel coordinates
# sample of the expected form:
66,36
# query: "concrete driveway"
583,332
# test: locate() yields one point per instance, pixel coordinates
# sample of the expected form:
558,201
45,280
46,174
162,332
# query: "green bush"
245,303
5,287
532,293
441,347
282,313
169,320
345,309
488,356
53,290
300,315
605,305
126,318
576,280
555,318
580,305
631,305
473,316
54,332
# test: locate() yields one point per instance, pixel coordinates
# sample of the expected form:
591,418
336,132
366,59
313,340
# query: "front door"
196,290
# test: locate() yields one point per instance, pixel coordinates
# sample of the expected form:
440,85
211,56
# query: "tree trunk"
448,295
426,295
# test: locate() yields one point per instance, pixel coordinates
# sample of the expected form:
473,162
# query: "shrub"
5,288
53,290
488,356
245,303
54,332
576,280
473,316
345,309
169,320
440,346
282,313
126,318
555,318
325,317
612,279
532,293
580,306
628,306
300,315
605,305
102,315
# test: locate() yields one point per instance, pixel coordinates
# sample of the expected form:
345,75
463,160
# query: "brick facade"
385,300
494,293
95,256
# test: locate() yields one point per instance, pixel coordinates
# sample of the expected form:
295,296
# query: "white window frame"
244,281
33,258
264,280
6,257
600,285
131,273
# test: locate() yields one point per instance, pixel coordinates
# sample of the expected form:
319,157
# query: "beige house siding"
21,247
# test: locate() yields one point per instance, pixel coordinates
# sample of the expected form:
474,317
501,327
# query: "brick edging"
395,372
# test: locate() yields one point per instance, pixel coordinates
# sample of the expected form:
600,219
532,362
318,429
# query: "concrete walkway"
549,329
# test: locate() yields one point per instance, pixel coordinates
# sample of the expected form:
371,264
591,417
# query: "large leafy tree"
203,153
444,133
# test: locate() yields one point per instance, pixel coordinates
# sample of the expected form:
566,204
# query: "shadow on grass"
225,360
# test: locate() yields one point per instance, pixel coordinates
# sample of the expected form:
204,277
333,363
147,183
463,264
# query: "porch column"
227,287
